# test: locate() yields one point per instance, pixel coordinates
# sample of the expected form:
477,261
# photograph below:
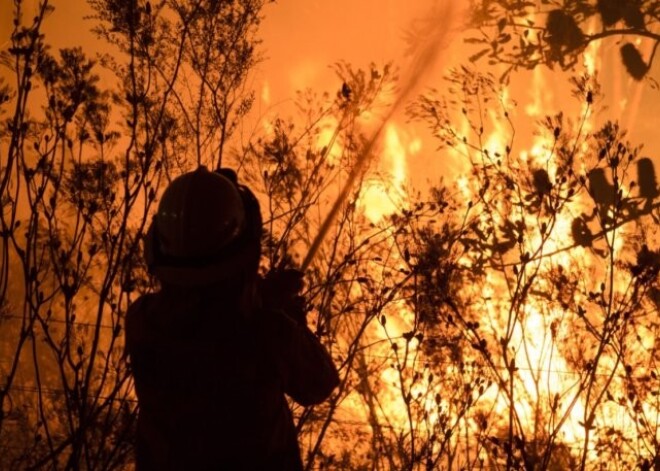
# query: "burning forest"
471,203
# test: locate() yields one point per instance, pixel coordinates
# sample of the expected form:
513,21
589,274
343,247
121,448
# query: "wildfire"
543,375
503,335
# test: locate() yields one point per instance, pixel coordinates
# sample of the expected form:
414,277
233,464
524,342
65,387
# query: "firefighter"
214,352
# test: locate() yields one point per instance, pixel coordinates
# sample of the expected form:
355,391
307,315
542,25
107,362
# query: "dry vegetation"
505,320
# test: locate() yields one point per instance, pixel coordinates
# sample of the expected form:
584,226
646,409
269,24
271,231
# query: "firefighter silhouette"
214,352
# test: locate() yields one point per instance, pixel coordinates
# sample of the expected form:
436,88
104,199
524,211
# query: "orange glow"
327,139
536,381
265,94
386,195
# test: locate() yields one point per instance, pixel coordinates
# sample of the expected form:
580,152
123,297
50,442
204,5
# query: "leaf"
610,11
504,38
478,55
633,16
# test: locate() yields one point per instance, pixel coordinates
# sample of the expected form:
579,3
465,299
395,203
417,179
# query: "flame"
536,335
544,375
386,195
265,93
541,96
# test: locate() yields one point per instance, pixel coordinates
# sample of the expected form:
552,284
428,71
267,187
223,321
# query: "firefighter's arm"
315,376
308,372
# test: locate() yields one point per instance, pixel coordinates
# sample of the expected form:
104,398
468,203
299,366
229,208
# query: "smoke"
428,37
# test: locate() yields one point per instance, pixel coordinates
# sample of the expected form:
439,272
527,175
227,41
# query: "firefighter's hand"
281,290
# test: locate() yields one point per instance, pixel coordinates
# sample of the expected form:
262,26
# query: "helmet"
199,214
207,229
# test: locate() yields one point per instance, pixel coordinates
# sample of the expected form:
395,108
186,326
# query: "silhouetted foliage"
474,327
83,158
525,34
551,308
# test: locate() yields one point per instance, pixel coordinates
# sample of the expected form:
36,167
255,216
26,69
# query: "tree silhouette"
86,145
596,330
524,35
472,327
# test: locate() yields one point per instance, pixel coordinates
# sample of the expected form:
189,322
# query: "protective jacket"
211,381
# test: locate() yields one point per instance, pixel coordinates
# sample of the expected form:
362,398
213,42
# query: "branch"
623,32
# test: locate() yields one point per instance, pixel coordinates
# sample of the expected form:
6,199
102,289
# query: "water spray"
428,37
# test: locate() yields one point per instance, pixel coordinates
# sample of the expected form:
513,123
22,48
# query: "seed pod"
541,180
633,61
600,189
581,233
648,185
